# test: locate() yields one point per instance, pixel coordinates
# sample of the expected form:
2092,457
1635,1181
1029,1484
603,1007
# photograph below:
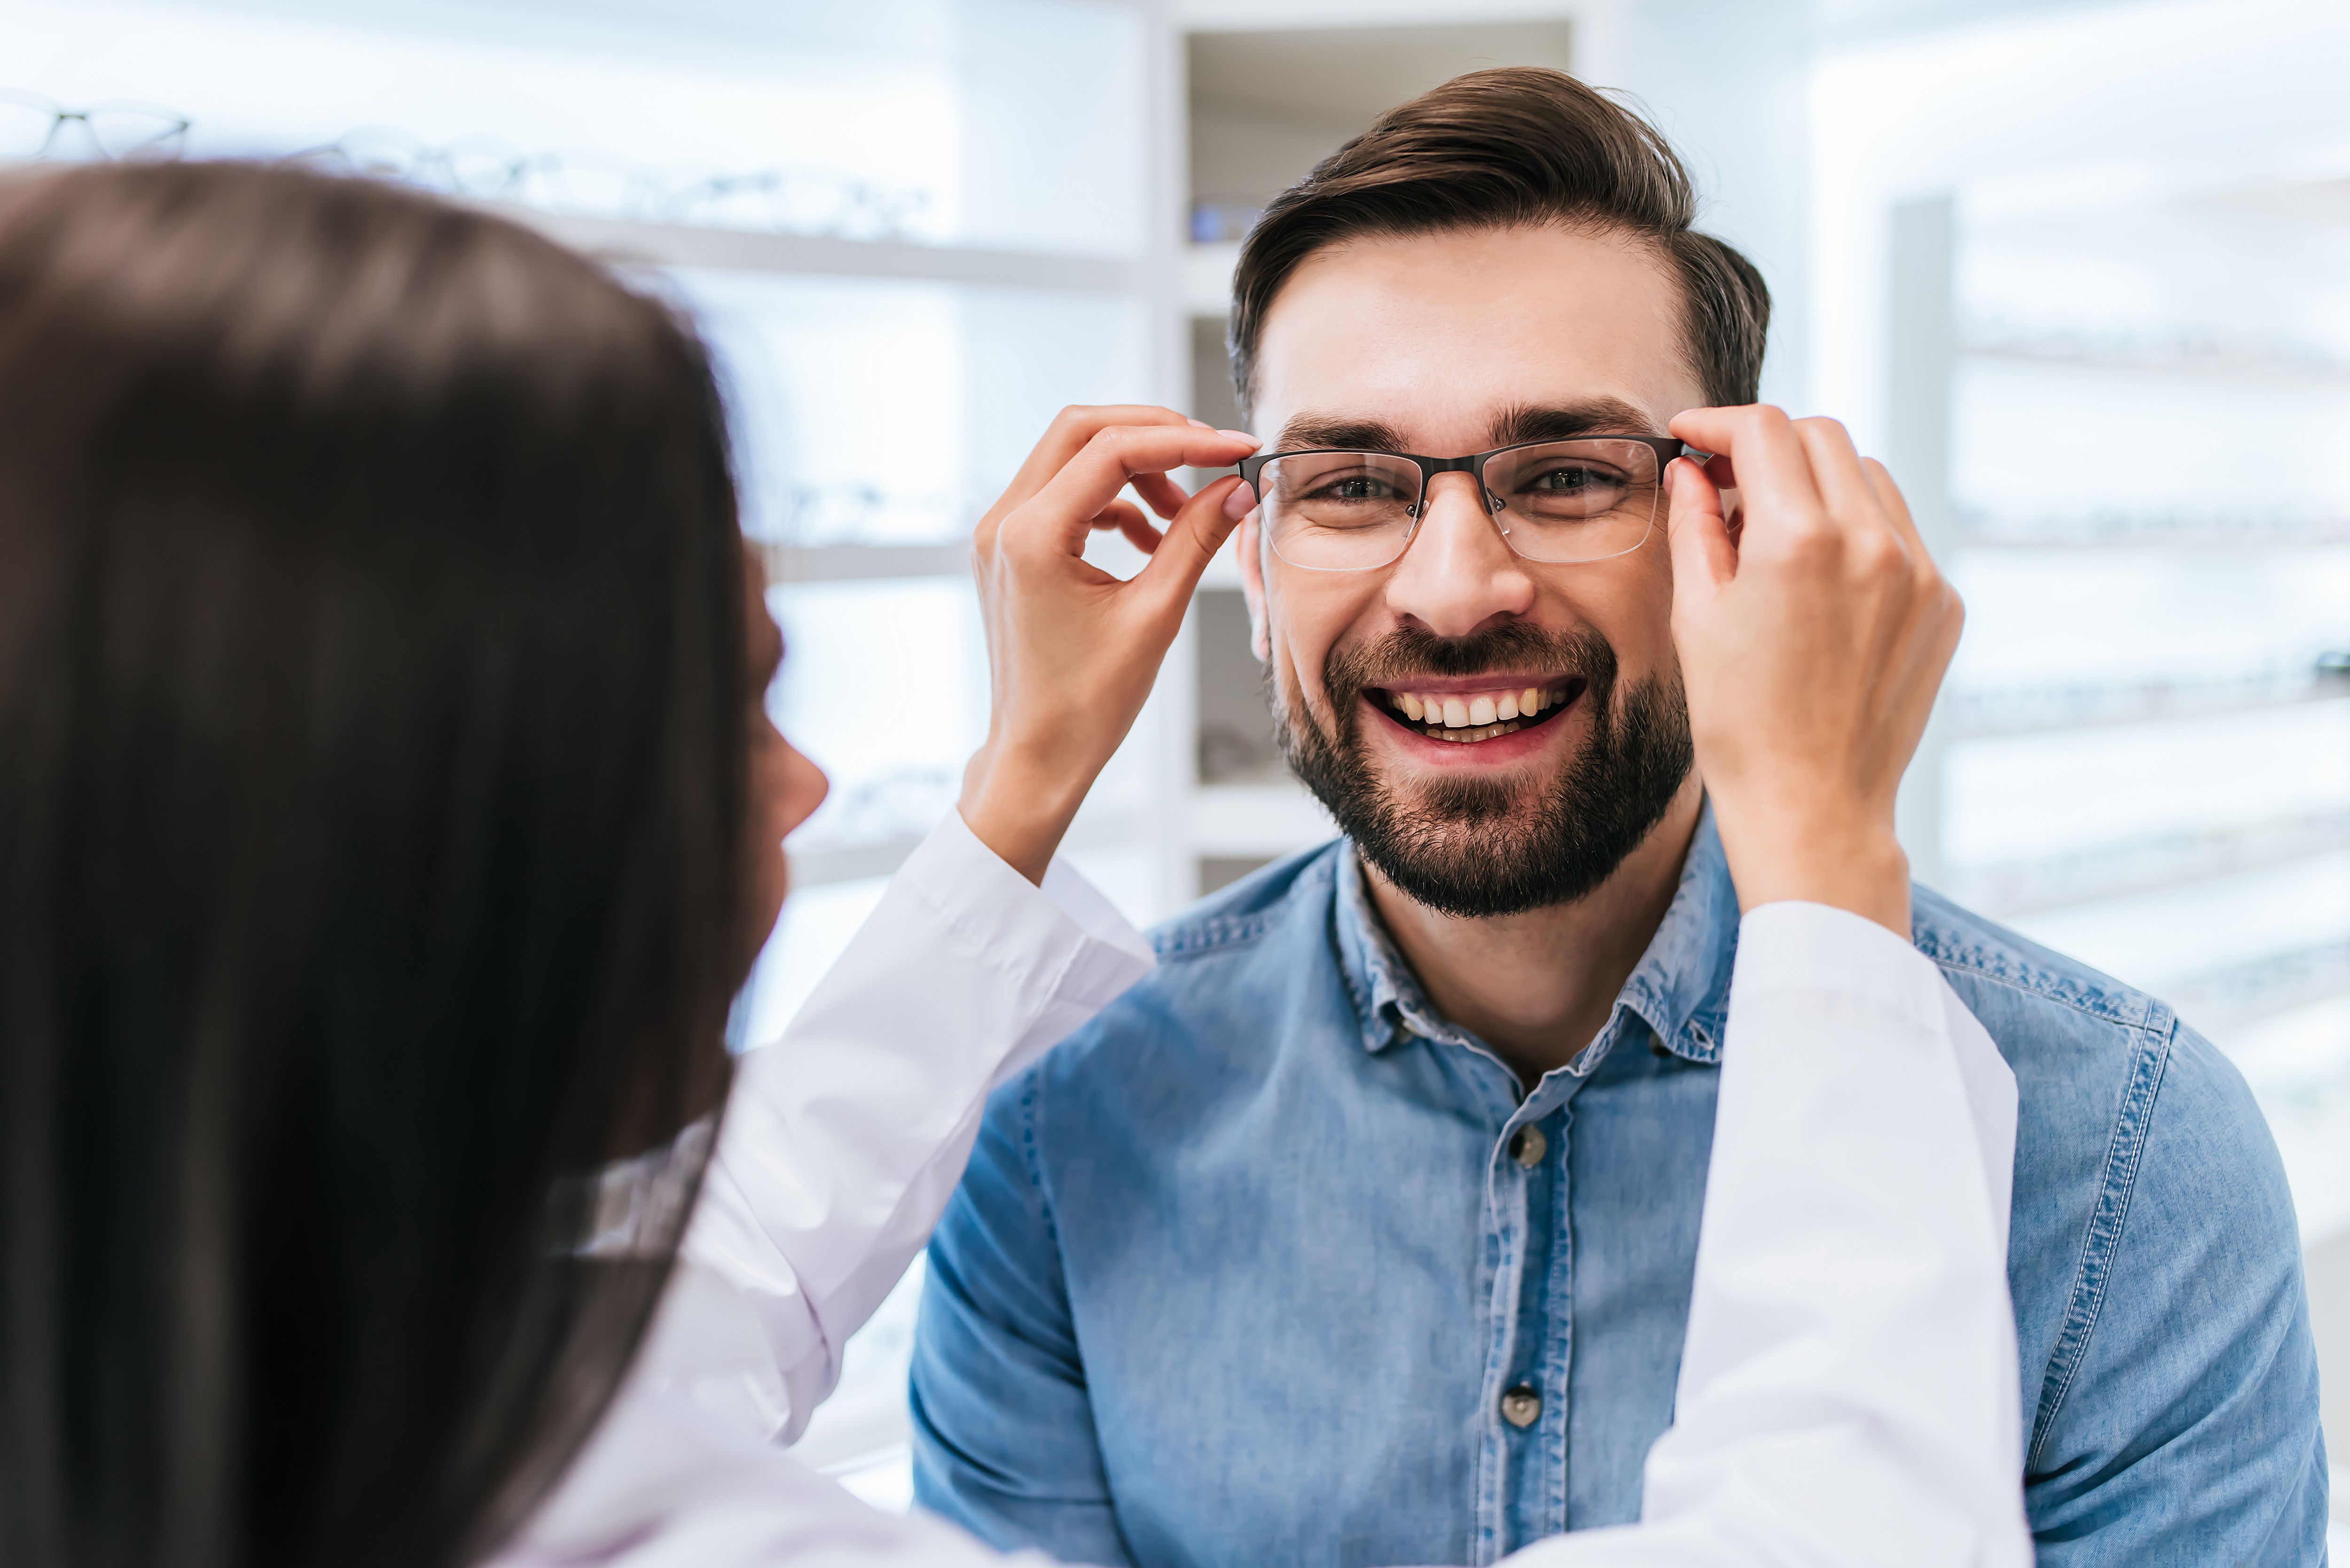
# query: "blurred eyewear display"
32,126
811,200
580,182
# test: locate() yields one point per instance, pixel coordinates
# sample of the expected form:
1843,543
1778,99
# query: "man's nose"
1458,573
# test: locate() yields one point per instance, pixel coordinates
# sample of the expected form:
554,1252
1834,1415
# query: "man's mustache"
1514,646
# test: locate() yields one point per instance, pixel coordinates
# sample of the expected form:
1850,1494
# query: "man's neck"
1538,987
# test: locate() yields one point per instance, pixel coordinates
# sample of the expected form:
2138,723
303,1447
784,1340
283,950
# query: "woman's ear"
1247,547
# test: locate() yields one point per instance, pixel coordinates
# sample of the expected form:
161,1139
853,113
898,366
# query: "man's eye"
1570,480
1360,487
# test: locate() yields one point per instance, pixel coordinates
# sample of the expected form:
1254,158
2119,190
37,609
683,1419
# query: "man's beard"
1478,848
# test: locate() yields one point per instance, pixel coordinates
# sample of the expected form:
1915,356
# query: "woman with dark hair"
389,812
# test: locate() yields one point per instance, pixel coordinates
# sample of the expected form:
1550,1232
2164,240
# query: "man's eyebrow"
1512,427
1305,432
1564,422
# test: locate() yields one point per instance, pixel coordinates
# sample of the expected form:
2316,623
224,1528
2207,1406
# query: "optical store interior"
2079,273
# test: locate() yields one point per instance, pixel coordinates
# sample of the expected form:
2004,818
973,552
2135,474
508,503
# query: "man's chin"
1473,858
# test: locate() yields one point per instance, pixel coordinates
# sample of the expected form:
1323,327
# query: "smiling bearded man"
1362,1232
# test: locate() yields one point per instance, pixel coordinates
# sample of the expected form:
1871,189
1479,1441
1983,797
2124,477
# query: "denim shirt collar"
1680,990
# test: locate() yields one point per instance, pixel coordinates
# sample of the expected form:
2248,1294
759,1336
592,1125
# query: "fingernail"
1240,503
1198,424
1240,435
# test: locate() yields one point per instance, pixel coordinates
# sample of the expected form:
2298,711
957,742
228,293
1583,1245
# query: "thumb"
1704,559
1191,541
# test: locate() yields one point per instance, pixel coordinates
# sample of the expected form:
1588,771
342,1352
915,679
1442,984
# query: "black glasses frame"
1666,449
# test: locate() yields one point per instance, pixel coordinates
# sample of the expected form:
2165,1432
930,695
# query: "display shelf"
2163,536
634,243
2181,358
1983,715
2223,1000
2007,889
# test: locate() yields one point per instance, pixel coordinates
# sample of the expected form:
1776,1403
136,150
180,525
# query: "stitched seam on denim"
2123,1155
1492,1482
1211,936
1558,1351
1215,934
1033,1159
2131,1009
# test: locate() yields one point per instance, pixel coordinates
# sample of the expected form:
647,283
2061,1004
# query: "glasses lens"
1338,510
1576,500
25,127
134,131
481,170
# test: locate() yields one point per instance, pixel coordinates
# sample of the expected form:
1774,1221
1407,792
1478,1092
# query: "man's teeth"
1476,716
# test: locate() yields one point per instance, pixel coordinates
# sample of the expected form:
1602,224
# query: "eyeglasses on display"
32,126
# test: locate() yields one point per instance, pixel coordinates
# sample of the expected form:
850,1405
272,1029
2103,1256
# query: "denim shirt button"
1527,1147
1521,1407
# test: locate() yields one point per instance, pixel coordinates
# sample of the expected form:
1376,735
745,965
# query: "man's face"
1445,345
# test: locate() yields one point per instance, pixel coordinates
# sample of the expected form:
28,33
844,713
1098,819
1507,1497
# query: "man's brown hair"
1516,147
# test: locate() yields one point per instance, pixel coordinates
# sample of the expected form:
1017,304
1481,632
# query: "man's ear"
1246,547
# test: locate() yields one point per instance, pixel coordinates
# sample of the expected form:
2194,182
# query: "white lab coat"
1848,1389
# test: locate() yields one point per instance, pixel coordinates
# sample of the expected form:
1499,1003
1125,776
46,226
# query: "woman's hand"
1812,642
1072,650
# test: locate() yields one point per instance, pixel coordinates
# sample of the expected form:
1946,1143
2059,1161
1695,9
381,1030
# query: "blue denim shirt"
1240,1273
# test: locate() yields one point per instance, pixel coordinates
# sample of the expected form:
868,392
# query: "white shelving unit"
2228,567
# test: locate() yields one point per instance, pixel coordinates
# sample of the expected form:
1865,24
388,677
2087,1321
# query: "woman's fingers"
1769,465
1072,649
1811,666
1851,501
1896,509
1192,539
1059,516
1703,556
1067,436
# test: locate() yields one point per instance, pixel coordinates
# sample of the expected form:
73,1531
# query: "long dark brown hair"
373,747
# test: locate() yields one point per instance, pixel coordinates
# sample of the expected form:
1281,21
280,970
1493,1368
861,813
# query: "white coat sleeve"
1848,1389
841,1144
845,1139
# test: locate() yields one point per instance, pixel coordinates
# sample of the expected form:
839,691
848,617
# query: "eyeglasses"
30,126
1587,499
795,200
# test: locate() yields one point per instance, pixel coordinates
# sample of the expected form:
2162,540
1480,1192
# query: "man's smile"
1481,719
